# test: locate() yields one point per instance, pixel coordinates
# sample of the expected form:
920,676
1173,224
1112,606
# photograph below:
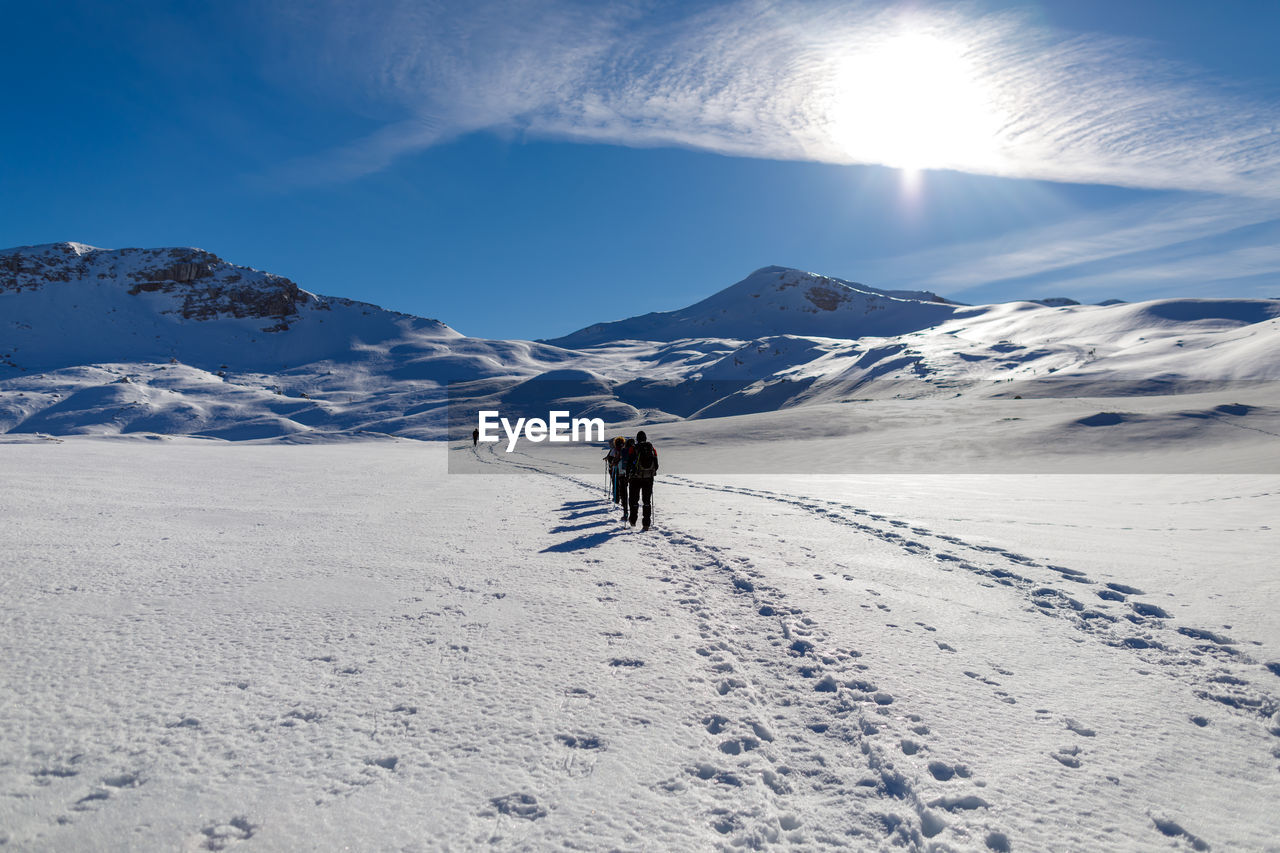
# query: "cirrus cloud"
770,80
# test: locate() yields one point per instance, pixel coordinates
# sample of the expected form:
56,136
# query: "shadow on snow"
587,540
570,528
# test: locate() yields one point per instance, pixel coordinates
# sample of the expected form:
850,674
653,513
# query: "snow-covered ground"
228,646
180,342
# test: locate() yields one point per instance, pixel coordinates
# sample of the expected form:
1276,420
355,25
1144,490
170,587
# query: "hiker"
612,488
611,465
624,472
643,467
475,437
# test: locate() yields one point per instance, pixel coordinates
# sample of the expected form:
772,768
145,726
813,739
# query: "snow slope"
778,300
179,342
233,647
68,304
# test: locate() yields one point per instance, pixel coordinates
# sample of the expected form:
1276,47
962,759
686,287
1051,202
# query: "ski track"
761,723
1211,662
843,704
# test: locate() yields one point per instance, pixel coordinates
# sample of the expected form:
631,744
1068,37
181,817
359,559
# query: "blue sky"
522,169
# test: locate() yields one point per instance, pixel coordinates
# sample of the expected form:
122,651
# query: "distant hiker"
624,472
475,437
611,487
643,467
611,462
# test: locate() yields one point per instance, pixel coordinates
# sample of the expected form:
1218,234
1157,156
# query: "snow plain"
213,646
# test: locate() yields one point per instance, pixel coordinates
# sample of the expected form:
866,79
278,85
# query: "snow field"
219,647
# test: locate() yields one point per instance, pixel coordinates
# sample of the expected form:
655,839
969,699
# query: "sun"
913,101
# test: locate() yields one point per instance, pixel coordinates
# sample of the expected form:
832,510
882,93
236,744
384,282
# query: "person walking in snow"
624,473
642,468
475,437
611,465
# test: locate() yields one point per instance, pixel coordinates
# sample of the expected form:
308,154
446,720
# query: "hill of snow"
777,300
67,304
179,342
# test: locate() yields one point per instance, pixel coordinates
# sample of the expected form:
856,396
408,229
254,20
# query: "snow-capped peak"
780,300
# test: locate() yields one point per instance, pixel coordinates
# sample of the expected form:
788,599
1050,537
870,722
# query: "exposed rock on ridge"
203,286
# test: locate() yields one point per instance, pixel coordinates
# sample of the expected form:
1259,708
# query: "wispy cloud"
782,80
1155,246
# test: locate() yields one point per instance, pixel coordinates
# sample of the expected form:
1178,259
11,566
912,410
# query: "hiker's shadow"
583,542
586,512
570,528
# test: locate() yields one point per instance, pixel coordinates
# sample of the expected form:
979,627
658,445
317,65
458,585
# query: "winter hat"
640,436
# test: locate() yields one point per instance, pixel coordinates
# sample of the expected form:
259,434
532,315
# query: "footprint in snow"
941,771
999,842
711,773
580,741
44,775
1068,756
737,746
775,782
219,836
523,806
715,723
952,804
1079,729
123,780
89,800
1202,634
1173,830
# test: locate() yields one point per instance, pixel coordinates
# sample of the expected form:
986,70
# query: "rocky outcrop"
31,267
201,285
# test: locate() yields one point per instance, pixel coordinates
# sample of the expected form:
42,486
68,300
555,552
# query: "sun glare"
913,102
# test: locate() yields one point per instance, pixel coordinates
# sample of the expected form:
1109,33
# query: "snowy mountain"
777,300
179,341
68,304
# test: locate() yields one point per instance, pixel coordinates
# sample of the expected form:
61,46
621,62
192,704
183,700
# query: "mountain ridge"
178,341
820,305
